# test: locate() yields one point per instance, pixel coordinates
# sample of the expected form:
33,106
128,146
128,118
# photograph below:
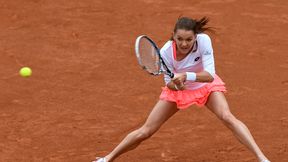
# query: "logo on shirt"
196,59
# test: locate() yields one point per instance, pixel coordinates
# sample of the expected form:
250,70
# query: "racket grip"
171,75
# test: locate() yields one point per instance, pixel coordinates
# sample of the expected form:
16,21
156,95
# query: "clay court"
87,90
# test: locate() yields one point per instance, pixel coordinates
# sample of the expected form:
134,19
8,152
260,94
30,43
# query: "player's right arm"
168,61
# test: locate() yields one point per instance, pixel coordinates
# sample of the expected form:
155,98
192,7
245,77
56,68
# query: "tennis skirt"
199,97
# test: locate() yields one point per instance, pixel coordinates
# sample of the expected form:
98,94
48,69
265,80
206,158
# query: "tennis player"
189,55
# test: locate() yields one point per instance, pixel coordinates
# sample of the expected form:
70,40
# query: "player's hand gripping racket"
149,58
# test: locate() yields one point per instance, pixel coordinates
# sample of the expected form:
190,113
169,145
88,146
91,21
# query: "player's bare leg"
218,105
161,112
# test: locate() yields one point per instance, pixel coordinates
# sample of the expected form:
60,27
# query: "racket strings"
149,57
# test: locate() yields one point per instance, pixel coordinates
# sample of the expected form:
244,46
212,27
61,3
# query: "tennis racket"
149,58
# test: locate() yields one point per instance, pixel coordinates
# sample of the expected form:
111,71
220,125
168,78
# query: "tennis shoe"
100,160
265,160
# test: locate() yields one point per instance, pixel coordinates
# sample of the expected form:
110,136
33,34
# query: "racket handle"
171,75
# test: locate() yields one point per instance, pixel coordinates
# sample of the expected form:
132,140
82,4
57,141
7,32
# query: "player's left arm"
207,60
203,76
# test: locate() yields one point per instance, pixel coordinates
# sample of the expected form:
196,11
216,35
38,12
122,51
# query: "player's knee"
228,118
144,133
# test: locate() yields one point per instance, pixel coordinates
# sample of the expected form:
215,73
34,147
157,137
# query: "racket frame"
161,61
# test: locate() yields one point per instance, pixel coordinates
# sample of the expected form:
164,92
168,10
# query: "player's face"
184,40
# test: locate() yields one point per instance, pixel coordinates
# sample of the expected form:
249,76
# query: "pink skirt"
186,98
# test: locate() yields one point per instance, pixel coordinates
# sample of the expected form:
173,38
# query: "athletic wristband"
191,76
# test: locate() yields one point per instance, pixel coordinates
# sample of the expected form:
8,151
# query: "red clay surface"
87,90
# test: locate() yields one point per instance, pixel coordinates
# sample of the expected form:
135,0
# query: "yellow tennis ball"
25,72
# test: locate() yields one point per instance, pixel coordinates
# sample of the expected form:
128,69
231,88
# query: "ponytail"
200,25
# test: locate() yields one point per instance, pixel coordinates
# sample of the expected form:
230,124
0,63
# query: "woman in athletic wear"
189,55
